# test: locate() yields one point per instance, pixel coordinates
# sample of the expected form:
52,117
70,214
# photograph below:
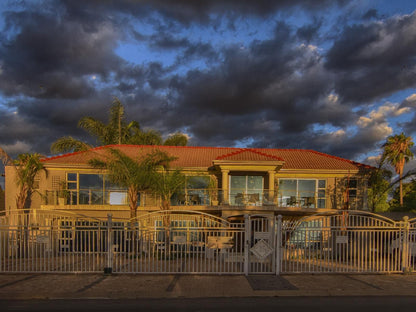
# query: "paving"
100,286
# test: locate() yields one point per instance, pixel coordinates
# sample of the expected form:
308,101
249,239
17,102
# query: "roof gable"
248,154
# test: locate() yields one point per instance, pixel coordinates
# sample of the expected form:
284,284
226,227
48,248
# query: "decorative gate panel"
261,250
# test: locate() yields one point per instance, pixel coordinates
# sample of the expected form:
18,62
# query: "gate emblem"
261,249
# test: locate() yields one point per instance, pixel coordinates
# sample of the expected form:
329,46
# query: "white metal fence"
350,242
191,242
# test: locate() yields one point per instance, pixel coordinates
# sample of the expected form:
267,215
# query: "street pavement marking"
18,281
173,283
92,284
364,282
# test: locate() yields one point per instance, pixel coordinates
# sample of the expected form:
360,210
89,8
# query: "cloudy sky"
333,76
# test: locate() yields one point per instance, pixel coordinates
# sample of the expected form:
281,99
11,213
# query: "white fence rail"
177,242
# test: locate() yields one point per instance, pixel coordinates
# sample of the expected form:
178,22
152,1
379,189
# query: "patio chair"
181,199
291,202
253,198
195,199
239,199
310,201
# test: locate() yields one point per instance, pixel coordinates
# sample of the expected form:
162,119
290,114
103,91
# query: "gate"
347,242
261,240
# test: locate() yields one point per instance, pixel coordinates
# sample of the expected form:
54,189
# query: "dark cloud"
51,58
309,32
371,14
374,60
59,62
275,82
188,11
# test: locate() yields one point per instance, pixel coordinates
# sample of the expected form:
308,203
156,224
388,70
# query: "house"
222,181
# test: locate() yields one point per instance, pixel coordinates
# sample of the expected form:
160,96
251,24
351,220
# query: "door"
246,190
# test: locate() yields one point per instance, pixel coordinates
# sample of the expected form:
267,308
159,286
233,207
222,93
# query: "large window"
195,192
94,189
246,190
302,193
91,191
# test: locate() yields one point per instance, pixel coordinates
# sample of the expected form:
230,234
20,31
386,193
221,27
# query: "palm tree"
379,186
176,139
136,175
116,131
397,152
27,166
166,183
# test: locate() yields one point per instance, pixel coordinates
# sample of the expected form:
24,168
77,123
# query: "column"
272,197
224,185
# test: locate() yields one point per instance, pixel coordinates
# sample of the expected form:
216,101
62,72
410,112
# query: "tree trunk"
134,231
21,197
133,200
22,235
166,225
401,188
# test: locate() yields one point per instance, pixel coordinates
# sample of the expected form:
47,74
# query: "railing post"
405,244
109,267
246,243
278,244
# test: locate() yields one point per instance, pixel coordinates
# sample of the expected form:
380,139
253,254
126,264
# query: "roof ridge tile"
230,154
264,154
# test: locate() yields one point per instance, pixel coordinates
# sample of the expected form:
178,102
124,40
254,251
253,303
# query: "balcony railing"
190,197
193,197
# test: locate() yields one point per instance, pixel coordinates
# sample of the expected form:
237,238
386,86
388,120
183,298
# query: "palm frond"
177,139
96,128
69,144
116,112
166,183
150,137
5,157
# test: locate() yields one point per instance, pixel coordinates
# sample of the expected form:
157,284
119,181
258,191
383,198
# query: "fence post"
405,244
109,267
278,244
246,243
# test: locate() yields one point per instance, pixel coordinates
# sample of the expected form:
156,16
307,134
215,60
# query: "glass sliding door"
288,192
307,193
246,190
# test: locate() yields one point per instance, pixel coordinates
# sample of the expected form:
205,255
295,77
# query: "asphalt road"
275,304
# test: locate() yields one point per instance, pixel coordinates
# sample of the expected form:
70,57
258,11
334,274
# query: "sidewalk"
93,286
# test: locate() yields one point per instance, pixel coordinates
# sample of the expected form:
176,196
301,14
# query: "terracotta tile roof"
190,156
